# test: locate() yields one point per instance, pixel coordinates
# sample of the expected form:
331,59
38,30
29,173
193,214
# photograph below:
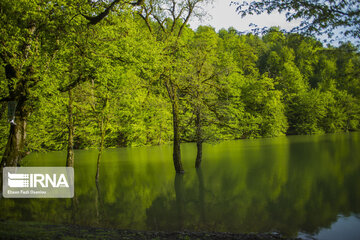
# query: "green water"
294,185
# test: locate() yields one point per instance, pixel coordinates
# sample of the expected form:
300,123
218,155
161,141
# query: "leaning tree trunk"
176,152
14,150
70,147
199,139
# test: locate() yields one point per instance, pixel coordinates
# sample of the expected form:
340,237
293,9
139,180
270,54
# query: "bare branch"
161,23
187,18
146,16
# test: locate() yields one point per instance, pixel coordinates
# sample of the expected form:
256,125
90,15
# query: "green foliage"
307,111
264,109
126,72
317,17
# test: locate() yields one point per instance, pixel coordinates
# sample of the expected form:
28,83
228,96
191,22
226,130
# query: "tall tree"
26,38
30,34
204,72
171,19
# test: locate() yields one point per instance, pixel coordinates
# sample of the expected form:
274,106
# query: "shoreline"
14,230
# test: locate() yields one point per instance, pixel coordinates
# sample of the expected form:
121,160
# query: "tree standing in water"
171,19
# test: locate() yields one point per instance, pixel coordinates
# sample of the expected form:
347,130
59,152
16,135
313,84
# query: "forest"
105,74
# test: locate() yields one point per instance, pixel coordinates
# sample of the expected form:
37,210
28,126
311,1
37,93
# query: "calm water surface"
307,186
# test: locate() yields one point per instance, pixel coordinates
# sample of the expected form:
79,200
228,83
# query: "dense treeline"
129,79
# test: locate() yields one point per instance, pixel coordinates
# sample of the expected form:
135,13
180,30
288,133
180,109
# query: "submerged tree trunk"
172,93
14,150
102,130
199,154
70,147
199,139
176,152
98,166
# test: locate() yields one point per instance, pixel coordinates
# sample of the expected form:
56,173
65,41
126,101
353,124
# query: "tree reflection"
201,199
286,184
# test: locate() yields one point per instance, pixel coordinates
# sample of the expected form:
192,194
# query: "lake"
307,186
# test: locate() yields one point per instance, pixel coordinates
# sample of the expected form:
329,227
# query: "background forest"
116,82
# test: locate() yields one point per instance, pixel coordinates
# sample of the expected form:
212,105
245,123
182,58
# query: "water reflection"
201,195
290,185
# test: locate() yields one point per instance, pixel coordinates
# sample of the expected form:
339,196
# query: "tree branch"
146,17
191,8
138,3
98,18
160,23
73,84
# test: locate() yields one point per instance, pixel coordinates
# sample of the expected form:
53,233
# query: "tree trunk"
176,152
199,139
98,166
172,92
199,154
102,130
14,150
70,147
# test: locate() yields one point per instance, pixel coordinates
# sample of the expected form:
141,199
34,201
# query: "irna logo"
18,180
38,182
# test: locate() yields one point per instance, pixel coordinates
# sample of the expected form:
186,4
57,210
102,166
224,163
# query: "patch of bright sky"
222,15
